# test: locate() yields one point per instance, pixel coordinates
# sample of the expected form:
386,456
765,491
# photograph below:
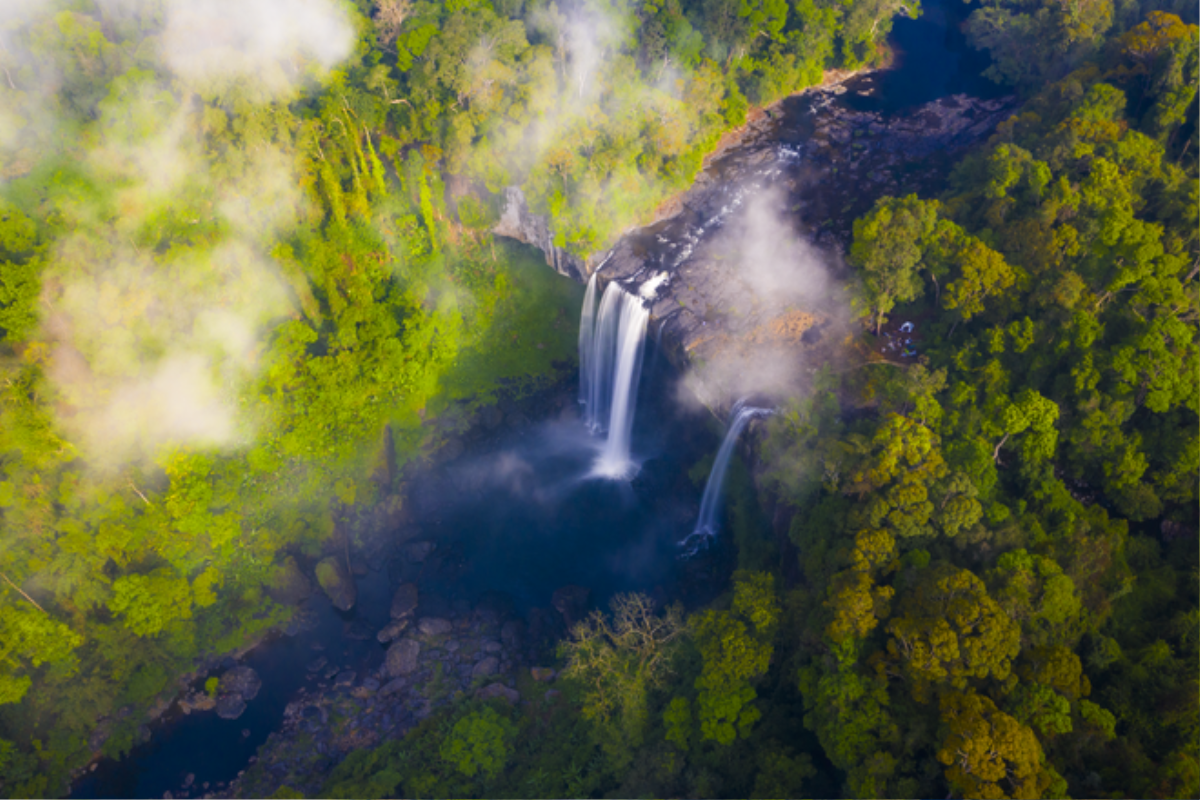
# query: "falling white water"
710,504
610,363
587,352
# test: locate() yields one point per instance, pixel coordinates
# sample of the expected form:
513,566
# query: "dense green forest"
228,264
229,260
996,592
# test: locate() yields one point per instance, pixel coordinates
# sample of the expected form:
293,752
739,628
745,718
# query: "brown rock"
392,630
402,657
542,674
435,626
405,600
337,582
287,585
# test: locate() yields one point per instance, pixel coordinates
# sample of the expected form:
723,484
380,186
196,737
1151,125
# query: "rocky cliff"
518,222
745,280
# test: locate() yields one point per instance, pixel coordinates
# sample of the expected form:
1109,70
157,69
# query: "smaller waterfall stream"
710,503
610,364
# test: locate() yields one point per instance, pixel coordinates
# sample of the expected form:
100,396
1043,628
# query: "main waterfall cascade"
610,364
710,506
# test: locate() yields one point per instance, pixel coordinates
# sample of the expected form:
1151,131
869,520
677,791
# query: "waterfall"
610,363
588,391
710,504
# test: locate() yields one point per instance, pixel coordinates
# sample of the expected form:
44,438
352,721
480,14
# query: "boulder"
405,600
435,626
288,586
197,701
337,583
402,657
542,674
392,687
486,667
499,690
571,602
345,678
230,706
241,680
392,630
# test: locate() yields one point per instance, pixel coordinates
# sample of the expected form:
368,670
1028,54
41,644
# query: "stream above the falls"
516,514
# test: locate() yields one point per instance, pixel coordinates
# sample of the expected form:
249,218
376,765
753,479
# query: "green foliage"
480,742
617,662
736,646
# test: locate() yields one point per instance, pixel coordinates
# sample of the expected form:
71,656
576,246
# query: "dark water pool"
214,749
515,514
933,60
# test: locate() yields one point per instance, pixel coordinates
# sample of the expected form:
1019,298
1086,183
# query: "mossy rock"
337,583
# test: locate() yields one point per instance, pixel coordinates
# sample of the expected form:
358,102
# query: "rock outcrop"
518,222
241,680
288,585
402,657
337,582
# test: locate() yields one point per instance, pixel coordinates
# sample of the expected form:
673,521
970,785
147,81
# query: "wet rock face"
392,630
337,582
435,626
518,222
501,691
486,667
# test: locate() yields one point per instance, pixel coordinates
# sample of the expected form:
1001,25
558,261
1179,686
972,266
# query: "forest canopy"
241,271
239,241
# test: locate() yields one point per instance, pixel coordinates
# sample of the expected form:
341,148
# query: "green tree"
736,646
888,248
618,661
479,743
987,753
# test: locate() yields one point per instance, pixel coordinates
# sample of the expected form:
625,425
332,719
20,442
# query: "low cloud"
269,43
781,289
151,354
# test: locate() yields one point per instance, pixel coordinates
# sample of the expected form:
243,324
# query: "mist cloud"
266,42
780,287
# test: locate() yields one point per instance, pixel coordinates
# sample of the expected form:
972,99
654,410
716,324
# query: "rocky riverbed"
486,650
